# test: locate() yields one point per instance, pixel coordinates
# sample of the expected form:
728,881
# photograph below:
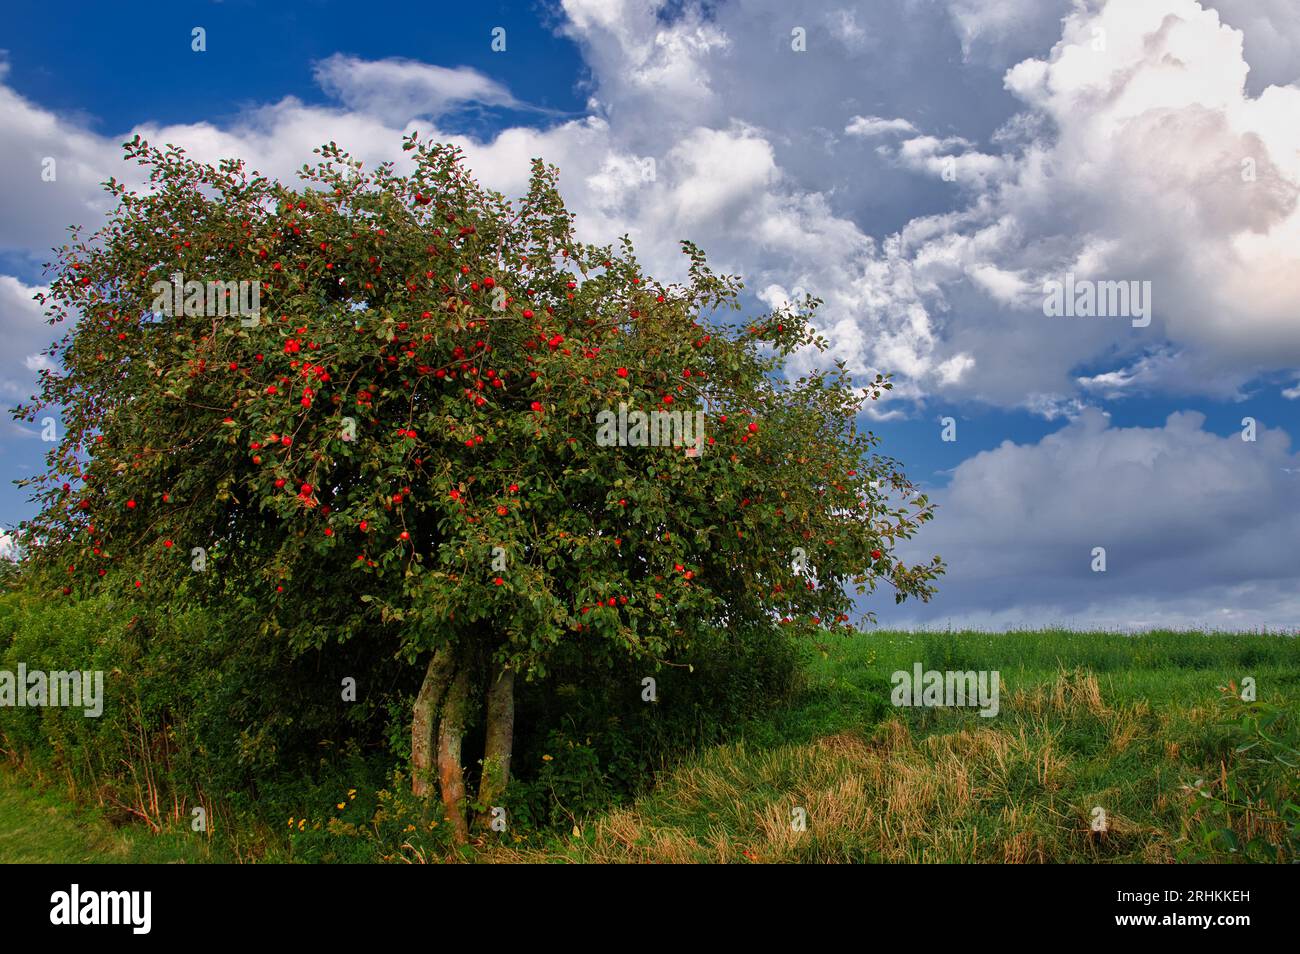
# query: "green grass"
1088,720
42,826
846,677
1124,723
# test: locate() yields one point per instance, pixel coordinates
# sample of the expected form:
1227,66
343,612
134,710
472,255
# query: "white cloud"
1142,179
398,90
38,210
1272,38
643,64
1125,162
716,170
1000,32
1121,163
1005,287
869,126
955,368
1017,526
25,334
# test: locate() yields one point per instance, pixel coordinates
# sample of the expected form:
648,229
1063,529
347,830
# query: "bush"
187,721
1252,808
593,740
258,738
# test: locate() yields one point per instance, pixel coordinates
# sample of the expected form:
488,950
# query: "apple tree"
400,408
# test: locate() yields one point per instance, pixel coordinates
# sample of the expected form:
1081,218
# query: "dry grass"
981,792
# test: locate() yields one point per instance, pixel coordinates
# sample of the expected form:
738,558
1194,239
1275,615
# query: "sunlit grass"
1088,721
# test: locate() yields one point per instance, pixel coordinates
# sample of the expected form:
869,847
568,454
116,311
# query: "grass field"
1139,727
40,826
1088,720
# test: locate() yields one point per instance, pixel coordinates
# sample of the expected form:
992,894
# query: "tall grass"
1107,748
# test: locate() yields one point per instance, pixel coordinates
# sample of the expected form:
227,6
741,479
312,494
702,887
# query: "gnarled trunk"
451,730
425,717
500,738
439,714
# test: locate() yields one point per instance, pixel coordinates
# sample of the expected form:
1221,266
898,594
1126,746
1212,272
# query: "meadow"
1149,729
1107,748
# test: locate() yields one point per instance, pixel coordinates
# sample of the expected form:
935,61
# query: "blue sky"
922,165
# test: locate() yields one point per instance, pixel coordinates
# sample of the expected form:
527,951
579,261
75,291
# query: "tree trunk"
425,717
500,738
451,729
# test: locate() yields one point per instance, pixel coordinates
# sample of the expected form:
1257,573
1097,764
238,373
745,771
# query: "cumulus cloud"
1272,38
1001,32
645,66
1161,167
1122,162
1018,526
50,170
1144,159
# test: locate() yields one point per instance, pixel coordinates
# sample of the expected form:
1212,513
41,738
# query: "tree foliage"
403,447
